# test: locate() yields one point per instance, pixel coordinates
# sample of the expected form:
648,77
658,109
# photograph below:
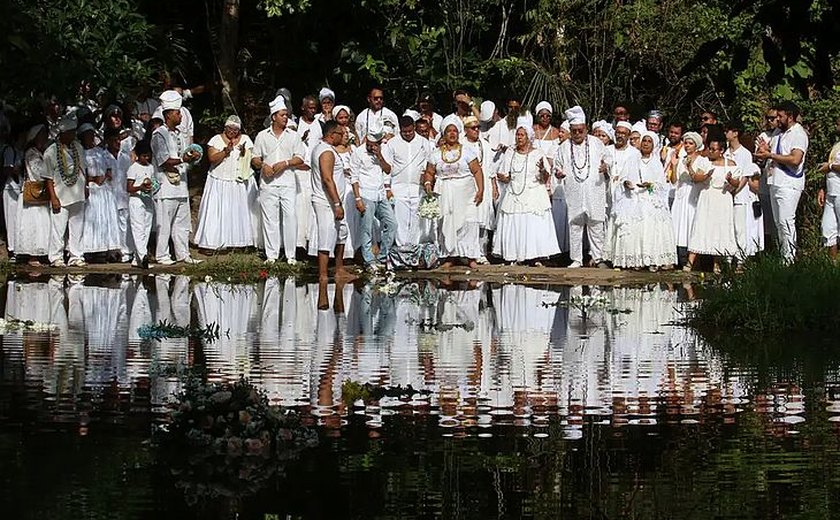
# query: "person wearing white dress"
749,230
12,162
278,151
101,233
713,230
64,171
581,164
118,146
687,192
481,148
547,139
453,172
141,206
524,222
644,234
227,215
342,115
33,235
829,198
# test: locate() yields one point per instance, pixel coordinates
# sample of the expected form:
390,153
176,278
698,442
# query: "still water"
573,402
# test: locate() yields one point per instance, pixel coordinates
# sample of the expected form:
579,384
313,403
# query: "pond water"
506,401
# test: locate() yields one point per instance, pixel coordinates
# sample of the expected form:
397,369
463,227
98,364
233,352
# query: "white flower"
429,208
208,278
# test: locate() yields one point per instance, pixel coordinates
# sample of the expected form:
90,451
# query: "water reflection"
483,355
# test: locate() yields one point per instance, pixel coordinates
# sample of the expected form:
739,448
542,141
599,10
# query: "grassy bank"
242,268
770,301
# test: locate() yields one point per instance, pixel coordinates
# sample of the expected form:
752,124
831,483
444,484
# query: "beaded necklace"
577,170
445,148
523,170
69,177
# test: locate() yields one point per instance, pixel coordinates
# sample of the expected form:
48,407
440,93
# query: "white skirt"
102,229
458,229
33,233
645,240
682,216
226,214
713,231
525,236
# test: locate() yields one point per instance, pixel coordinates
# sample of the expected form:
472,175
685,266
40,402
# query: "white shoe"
270,261
192,261
166,261
58,263
575,265
292,262
482,260
125,259
77,262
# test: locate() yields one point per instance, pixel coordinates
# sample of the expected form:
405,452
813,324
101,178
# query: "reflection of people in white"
786,175
580,162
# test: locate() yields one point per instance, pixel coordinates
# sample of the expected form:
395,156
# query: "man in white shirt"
66,180
770,130
309,130
406,154
580,163
278,151
829,198
376,112
172,204
368,171
786,179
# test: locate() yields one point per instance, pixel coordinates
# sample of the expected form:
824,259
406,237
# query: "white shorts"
331,232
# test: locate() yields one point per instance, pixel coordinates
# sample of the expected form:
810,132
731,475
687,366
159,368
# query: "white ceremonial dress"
685,199
459,224
33,230
102,231
713,231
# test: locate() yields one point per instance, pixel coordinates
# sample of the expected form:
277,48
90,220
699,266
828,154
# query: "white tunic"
408,161
584,184
384,116
794,138
272,149
33,233
69,183
169,144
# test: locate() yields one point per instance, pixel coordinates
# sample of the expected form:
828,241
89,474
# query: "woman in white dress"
453,172
713,231
525,223
227,215
644,234
342,114
687,192
486,212
102,233
33,234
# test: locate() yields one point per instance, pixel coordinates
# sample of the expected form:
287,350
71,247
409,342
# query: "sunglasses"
378,98
771,118
471,128
705,118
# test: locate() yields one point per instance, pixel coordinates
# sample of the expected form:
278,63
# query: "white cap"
576,116
85,128
413,114
171,100
566,126
278,104
67,124
325,93
338,108
624,124
543,105
375,131
639,126
488,108
158,114
234,121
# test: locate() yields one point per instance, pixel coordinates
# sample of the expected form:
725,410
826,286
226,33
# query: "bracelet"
358,199
427,183
336,204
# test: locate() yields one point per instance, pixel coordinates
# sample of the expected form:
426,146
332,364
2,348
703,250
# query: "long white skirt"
646,239
713,231
33,233
226,214
303,206
560,215
682,217
12,199
525,236
749,231
459,227
102,230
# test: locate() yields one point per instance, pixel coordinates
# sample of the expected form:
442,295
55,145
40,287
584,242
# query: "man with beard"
376,112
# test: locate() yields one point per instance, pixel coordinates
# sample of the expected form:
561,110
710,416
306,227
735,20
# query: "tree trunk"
229,48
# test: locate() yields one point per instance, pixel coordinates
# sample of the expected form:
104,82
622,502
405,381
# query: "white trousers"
408,221
173,221
303,206
125,236
279,213
831,220
141,212
742,238
69,220
594,233
10,211
784,201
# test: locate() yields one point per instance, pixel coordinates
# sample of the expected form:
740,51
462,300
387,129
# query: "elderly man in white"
278,151
172,206
407,155
368,173
581,164
786,174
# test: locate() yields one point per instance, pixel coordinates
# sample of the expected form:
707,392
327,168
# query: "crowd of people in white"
513,188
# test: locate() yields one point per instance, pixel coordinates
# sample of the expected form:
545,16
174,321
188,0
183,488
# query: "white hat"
325,93
278,104
452,119
85,128
624,124
171,100
158,114
234,121
488,108
67,124
576,116
338,108
604,127
566,126
639,127
527,125
413,114
375,131
652,135
543,105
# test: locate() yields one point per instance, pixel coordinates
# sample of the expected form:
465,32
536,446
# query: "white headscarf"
543,105
652,135
604,127
523,123
278,104
338,108
452,119
171,100
639,127
326,93
576,116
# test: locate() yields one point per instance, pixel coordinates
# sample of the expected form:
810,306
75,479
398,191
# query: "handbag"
35,193
756,207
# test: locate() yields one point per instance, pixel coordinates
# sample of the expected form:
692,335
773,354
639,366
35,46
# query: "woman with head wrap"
525,225
643,235
687,192
33,233
344,117
480,146
454,173
326,100
228,215
713,229
547,138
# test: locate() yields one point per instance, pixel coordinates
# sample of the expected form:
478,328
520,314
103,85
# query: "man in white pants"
581,164
786,174
64,173
172,205
407,154
278,151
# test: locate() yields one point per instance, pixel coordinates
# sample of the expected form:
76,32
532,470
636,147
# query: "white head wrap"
375,131
33,133
566,126
452,119
338,108
639,127
695,138
278,104
171,100
523,123
67,124
158,114
234,121
84,128
624,124
325,93
576,116
653,136
543,105
604,127
488,108
413,114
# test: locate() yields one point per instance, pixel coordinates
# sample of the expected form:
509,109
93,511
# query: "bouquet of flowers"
430,208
